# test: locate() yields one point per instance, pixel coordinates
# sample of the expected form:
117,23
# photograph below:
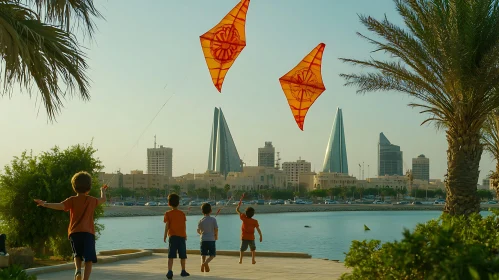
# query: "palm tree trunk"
495,180
463,158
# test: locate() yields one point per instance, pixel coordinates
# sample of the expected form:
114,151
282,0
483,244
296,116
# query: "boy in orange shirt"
175,230
81,230
248,232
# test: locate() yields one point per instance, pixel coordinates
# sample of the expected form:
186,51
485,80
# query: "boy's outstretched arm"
259,232
102,198
237,208
55,206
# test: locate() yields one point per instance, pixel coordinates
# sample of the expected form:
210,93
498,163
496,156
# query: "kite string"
140,136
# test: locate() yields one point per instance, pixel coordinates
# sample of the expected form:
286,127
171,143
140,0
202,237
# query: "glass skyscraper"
335,159
389,157
223,156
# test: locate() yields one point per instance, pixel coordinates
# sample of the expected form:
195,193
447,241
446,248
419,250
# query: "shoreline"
137,211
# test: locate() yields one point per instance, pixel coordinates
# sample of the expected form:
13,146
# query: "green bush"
47,177
451,247
24,257
15,273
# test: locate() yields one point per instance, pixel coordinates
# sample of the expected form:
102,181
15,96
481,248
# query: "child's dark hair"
206,208
173,200
250,212
82,182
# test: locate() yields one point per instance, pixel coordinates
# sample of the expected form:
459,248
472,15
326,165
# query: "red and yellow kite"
303,84
223,43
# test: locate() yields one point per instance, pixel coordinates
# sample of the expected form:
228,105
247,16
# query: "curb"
104,257
247,253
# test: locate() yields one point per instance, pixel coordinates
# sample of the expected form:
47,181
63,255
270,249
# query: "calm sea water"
329,235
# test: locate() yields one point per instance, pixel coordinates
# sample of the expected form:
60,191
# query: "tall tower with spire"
223,156
335,159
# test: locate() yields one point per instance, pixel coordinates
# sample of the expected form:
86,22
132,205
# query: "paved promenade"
222,267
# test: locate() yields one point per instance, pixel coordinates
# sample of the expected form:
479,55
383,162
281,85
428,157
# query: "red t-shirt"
176,223
81,213
248,227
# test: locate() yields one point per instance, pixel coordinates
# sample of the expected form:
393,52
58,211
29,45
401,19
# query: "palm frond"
490,134
36,52
63,12
447,56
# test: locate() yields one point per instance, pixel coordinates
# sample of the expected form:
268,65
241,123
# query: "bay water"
320,234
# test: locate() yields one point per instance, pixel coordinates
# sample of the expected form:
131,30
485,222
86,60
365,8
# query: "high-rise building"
223,156
389,157
421,168
294,169
159,160
266,155
335,159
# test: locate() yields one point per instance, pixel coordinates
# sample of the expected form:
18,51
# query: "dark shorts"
208,248
246,243
83,245
177,244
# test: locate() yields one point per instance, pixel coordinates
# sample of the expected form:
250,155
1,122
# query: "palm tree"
490,134
45,53
446,58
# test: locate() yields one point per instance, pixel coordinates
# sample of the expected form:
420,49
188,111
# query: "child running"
81,230
175,229
248,232
208,229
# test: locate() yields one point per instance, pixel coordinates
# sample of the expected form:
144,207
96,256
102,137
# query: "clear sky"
140,48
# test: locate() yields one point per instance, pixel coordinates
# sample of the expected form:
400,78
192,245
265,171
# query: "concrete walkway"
222,267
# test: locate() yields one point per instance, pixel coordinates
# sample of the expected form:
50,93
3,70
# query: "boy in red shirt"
81,230
175,230
248,232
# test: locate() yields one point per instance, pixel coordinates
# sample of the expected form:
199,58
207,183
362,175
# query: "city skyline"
128,89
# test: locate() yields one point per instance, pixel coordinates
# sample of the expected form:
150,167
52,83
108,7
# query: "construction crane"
278,161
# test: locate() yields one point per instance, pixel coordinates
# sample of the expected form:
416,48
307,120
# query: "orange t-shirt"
81,213
248,227
176,223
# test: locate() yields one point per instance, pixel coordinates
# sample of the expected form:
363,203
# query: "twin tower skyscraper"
224,158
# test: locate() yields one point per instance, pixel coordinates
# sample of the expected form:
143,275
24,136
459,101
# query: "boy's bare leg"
253,254
241,253
182,263
170,264
206,266
78,267
203,258
88,270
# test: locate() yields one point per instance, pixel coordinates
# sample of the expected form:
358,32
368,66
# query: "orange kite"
223,43
303,84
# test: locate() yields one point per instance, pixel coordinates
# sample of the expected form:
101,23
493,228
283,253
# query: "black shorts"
83,245
177,244
246,243
208,248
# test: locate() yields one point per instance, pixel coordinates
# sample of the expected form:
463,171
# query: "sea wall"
130,211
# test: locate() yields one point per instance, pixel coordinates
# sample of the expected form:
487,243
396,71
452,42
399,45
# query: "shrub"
23,257
47,177
15,273
451,247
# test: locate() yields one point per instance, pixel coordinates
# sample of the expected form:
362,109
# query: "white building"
160,160
294,169
421,168
266,155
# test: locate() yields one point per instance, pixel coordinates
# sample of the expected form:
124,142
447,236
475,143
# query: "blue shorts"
83,246
208,248
177,244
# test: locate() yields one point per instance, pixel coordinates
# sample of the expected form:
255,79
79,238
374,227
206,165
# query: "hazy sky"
140,48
